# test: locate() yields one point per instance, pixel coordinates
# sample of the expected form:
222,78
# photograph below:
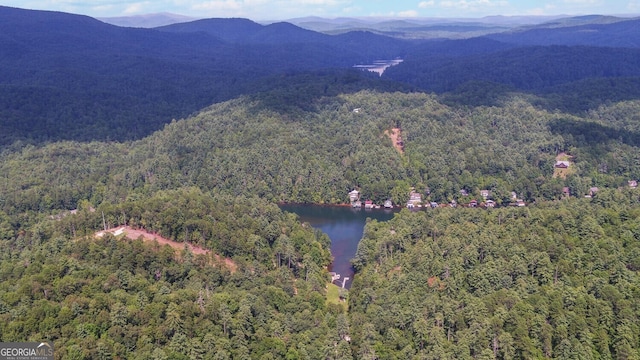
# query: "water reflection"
344,226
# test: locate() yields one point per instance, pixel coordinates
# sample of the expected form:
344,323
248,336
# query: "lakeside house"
415,200
388,204
354,195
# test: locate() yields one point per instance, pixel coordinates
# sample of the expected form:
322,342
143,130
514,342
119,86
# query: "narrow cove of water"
344,226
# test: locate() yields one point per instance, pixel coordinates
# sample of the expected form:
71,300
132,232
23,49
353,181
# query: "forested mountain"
532,63
551,280
421,28
288,145
116,298
599,31
274,113
70,77
239,30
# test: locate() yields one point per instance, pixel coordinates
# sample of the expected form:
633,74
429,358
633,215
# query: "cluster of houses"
354,197
415,201
566,191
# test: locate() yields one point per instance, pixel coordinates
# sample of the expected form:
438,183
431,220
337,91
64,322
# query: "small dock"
335,276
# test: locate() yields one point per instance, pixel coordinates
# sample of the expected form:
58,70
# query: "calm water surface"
344,226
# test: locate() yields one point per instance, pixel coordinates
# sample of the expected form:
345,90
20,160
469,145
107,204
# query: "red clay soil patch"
146,236
396,139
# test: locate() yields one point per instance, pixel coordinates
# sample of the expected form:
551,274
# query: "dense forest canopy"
103,298
290,146
88,144
555,281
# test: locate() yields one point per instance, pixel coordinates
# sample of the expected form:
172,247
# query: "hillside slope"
296,145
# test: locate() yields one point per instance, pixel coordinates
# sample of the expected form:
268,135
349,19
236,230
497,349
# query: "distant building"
633,184
354,195
562,164
415,200
485,194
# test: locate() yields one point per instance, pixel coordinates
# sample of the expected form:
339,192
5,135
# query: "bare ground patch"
395,135
146,236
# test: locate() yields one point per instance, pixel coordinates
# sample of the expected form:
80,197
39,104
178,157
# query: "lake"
344,226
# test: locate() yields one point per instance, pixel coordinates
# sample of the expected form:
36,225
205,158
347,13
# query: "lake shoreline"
283,203
344,225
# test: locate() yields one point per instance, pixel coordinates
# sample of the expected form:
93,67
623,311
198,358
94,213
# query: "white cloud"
426,4
582,2
473,4
315,2
135,8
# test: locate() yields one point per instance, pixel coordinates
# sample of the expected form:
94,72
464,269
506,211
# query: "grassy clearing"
333,296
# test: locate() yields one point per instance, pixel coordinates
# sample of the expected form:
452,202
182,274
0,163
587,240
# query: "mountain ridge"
68,76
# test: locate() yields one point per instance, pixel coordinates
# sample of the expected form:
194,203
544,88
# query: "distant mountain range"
147,20
66,76
408,28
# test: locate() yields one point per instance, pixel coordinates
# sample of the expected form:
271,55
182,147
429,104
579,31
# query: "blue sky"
287,9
